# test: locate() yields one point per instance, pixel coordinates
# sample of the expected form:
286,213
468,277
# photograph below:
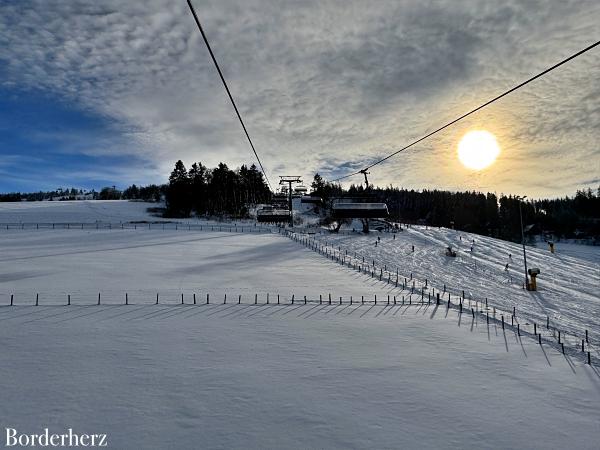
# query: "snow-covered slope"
76,211
568,286
315,375
262,376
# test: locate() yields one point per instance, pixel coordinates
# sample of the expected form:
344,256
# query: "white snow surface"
77,211
568,285
272,376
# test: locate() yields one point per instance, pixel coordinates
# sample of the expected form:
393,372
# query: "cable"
473,111
228,92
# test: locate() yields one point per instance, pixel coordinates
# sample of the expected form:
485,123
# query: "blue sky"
45,143
114,92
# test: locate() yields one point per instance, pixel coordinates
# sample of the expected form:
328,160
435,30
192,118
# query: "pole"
523,243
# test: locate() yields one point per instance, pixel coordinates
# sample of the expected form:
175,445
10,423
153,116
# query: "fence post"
375,298
98,297
320,299
330,298
207,299
225,299
267,298
68,299
37,297
126,299
157,298
255,299
239,299
182,298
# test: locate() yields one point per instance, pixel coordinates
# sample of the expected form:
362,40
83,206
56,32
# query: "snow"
76,211
224,376
272,376
568,285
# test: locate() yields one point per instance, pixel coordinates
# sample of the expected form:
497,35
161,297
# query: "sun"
478,149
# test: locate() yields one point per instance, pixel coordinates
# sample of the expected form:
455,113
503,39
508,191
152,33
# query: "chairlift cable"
472,111
228,91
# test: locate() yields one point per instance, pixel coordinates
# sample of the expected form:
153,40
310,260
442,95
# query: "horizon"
113,94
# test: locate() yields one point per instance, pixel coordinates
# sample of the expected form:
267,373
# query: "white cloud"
322,83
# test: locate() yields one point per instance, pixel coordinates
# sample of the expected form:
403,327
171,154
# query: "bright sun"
478,149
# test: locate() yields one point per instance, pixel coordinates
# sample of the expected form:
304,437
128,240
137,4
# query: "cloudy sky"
97,93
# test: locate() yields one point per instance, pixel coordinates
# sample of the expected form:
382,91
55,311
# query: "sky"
114,92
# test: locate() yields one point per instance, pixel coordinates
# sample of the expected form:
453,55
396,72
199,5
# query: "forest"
488,214
214,192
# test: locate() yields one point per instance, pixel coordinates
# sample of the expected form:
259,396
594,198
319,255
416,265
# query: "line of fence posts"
320,248
445,289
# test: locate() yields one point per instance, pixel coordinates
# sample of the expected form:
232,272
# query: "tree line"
217,192
488,214
150,193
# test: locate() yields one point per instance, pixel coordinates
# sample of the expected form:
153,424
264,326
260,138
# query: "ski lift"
272,215
309,199
359,208
352,209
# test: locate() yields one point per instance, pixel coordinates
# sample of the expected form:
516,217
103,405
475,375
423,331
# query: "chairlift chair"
272,215
354,208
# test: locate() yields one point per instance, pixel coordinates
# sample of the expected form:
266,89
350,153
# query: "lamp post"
520,199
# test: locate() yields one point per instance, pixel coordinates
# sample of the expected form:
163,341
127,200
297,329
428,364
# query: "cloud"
322,85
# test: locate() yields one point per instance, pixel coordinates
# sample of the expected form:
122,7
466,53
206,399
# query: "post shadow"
432,315
367,311
95,310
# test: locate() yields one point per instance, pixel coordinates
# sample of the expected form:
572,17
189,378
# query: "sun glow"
478,149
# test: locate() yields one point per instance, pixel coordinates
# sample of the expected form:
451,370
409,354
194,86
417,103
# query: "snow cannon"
533,273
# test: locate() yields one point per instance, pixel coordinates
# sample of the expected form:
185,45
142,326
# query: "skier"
506,267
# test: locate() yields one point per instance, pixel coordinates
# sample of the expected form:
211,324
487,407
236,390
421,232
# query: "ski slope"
568,286
225,374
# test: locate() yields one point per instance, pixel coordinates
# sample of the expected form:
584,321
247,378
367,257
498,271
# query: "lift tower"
290,180
365,173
